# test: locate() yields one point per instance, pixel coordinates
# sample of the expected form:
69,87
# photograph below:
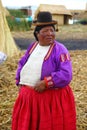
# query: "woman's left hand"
40,86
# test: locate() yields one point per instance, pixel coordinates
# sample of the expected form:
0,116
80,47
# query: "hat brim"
35,23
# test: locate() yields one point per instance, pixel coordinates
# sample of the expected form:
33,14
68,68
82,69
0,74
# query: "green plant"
82,21
18,25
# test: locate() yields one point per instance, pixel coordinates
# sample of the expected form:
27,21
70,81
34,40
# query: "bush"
18,25
16,13
83,21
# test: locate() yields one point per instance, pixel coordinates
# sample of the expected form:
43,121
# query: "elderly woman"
45,100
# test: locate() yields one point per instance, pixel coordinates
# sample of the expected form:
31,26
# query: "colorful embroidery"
49,52
49,82
64,57
32,48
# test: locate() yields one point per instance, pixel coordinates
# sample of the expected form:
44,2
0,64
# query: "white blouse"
31,71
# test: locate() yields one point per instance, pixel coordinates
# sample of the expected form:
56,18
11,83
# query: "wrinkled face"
46,35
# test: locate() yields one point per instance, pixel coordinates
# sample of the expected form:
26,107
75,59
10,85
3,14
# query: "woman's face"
46,35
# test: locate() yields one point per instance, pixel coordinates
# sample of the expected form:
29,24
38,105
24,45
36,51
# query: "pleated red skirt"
50,110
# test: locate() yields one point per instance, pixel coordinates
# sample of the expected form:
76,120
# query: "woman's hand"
40,86
19,87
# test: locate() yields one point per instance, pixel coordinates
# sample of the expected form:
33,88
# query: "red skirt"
53,109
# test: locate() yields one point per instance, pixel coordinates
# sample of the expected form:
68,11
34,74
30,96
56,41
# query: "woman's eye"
44,31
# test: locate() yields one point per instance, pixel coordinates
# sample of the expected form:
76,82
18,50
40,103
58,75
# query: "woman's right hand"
40,86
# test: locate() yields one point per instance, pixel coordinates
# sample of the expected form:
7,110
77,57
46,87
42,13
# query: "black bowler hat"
44,18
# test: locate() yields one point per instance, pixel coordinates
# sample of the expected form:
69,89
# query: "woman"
45,100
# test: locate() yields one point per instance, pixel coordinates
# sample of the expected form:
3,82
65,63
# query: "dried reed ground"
9,91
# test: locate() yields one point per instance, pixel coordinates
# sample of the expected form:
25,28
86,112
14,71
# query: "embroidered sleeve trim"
17,82
49,82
